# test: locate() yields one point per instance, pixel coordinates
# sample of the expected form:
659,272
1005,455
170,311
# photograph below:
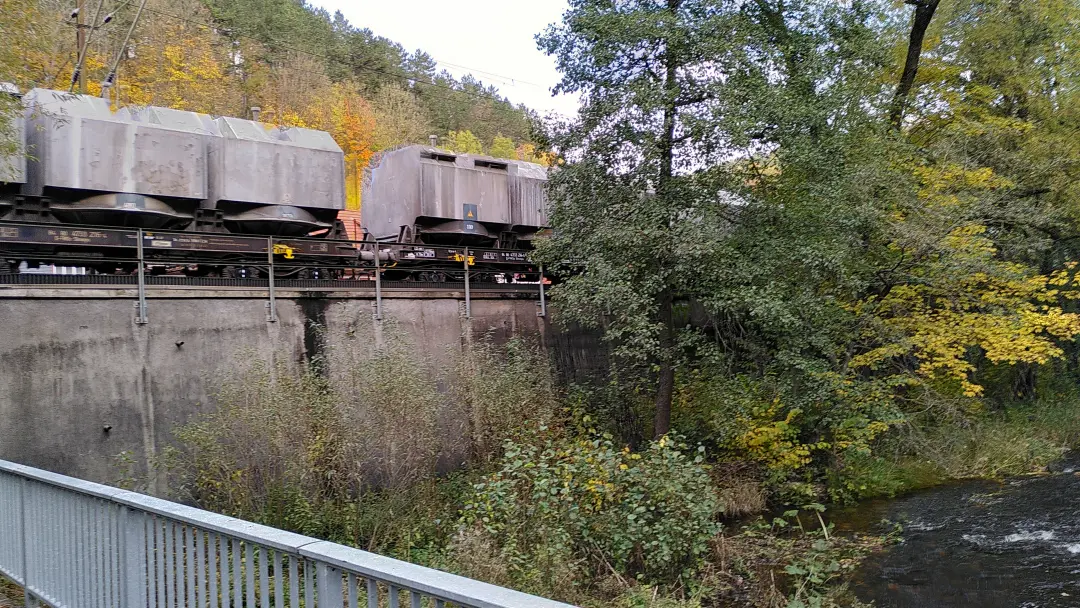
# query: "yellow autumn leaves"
959,298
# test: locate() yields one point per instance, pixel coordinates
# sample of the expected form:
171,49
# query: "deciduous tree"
464,142
503,147
634,206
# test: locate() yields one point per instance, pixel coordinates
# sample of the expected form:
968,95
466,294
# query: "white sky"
492,40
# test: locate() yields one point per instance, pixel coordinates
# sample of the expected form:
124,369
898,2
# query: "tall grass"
1017,439
370,451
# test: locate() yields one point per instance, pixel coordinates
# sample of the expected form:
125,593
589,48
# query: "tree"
463,142
634,206
924,13
528,153
503,147
399,118
180,64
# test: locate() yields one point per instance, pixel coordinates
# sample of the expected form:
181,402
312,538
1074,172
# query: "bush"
351,452
949,444
647,516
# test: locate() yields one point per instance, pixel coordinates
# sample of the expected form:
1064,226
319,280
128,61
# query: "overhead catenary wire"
86,45
110,78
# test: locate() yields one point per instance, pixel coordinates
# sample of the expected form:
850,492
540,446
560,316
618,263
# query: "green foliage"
847,285
503,147
463,142
495,402
1019,439
831,304
810,562
11,148
349,455
647,515
399,118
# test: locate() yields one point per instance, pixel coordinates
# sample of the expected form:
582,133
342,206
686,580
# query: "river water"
1014,544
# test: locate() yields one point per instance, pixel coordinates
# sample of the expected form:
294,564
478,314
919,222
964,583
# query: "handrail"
72,543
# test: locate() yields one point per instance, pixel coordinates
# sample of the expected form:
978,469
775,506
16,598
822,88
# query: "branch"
689,100
924,13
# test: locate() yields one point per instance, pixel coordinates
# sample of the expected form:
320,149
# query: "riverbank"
1017,439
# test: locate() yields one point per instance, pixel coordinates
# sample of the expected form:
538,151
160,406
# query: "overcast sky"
492,40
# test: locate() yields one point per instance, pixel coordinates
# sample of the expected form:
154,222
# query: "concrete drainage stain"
313,309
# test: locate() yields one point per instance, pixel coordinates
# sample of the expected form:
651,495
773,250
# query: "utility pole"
110,78
80,42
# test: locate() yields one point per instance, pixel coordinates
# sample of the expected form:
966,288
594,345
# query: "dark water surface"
1014,544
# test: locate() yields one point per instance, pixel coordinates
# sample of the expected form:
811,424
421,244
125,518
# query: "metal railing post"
131,559
28,599
140,316
272,305
543,302
123,572
378,284
468,299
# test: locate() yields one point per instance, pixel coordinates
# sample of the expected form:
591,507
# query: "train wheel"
434,276
316,274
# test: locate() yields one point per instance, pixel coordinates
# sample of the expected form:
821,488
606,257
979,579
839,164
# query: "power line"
282,46
513,81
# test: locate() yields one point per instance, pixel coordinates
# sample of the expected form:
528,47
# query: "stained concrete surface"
81,382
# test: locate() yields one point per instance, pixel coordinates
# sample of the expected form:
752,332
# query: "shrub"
504,390
647,515
351,451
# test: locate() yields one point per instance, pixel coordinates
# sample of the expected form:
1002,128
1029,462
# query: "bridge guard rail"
75,544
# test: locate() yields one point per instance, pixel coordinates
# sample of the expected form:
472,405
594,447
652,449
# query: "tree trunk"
924,12
666,381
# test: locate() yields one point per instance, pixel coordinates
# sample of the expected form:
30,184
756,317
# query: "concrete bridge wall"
81,382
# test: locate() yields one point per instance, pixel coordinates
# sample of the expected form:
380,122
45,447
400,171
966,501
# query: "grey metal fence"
75,544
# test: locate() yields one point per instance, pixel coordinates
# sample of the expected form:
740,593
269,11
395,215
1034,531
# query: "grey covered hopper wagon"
161,168
300,172
426,195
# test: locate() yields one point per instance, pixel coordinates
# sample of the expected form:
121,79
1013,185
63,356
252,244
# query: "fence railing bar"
76,588
249,570
215,566
113,547
159,560
294,583
354,593
309,584
72,543
372,593
237,575
279,581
